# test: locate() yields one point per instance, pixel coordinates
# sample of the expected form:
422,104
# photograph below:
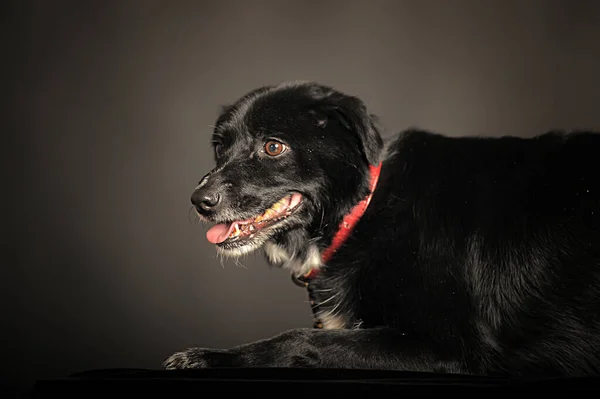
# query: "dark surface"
309,381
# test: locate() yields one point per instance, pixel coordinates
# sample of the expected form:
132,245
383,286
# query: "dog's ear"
352,113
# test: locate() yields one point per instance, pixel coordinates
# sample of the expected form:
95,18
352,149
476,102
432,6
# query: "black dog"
461,255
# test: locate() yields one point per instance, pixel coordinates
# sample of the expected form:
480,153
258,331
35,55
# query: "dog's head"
291,160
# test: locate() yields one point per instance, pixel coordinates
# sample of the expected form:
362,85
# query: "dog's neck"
307,266
349,221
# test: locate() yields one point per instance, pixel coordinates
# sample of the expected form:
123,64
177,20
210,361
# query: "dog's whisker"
193,215
238,263
219,256
322,218
329,299
330,313
333,311
351,164
325,290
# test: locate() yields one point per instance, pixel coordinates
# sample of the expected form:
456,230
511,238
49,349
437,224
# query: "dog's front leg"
380,348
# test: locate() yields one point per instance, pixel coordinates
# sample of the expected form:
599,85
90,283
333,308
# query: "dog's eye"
274,148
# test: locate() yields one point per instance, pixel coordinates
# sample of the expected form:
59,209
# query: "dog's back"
489,244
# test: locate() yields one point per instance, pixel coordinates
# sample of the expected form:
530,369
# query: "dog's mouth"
225,233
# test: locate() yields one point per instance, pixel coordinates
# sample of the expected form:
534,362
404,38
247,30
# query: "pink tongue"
219,233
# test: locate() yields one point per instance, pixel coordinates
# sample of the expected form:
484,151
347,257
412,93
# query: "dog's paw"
183,360
199,358
288,349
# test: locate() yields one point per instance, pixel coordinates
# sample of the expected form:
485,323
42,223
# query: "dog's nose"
205,200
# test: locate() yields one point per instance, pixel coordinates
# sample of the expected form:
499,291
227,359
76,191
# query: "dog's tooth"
236,231
279,205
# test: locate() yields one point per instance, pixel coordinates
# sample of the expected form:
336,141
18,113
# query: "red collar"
349,221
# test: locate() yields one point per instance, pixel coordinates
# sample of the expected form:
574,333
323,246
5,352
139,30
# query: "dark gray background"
110,112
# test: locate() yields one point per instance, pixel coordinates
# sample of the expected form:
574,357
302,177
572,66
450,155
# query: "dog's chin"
240,237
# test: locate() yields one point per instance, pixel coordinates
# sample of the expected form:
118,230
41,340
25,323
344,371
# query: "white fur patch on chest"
332,322
275,253
280,256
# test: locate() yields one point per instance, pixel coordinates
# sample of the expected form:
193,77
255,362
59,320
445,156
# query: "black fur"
476,255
